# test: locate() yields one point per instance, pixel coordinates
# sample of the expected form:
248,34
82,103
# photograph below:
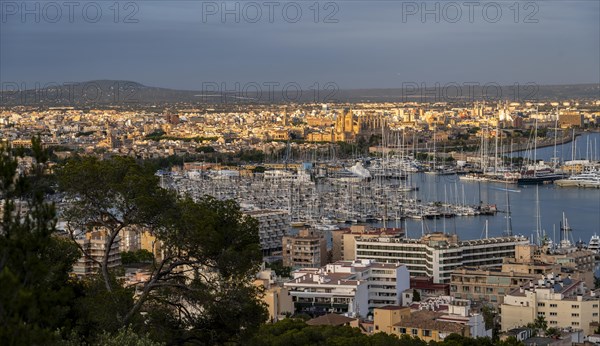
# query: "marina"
395,193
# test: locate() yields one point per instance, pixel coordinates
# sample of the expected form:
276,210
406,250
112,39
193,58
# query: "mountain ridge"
125,92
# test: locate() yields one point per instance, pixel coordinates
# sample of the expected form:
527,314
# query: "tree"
280,269
114,194
36,294
125,337
139,256
488,316
200,288
540,323
416,296
293,331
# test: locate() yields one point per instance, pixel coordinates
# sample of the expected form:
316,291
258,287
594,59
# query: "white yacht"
594,244
586,179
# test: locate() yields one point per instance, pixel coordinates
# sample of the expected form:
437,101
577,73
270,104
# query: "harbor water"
580,206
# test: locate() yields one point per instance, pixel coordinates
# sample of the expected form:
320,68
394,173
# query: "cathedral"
349,126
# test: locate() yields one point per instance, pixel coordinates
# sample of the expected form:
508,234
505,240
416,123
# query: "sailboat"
538,173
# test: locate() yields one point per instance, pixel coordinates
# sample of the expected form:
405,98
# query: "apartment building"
272,227
437,254
491,284
563,302
344,240
276,297
307,249
432,320
354,287
94,245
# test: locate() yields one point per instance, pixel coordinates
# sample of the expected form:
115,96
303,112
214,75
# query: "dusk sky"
181,44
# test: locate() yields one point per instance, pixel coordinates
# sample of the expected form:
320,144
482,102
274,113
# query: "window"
595,306
426,332
402,330
574,315
574,323
553,314
415,332
541,313
575,306
541,304
552,305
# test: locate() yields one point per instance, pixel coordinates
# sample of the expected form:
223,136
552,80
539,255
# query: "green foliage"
552,332
295,332
250,156
540,323
416,296
473,130
36,293
210,250
346,150
84,134
259,169
489,315
280,269
160,135
139,256
205,149
100,310
125,337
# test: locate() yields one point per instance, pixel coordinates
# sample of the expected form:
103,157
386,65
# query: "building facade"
436,254
354,287
272,227
563,302
94,245
432,320
307,249
491,284
344,240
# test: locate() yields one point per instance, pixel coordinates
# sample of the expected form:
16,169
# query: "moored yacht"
594,244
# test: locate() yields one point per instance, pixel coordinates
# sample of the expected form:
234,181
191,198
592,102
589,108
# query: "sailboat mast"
508,214
538,222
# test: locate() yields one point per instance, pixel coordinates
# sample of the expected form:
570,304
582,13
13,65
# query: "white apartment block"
563,302
436,254
354,287
272,227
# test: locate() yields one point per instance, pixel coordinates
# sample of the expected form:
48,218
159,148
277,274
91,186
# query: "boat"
442,171
587,179
594,244
539,172
544,176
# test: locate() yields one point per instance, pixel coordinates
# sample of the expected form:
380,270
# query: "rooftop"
330,320
429,320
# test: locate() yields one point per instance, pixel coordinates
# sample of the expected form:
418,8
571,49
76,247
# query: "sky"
353,44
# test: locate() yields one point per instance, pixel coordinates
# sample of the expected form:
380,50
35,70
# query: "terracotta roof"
428,320
329,320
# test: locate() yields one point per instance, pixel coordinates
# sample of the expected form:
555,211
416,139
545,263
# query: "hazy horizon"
373,45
